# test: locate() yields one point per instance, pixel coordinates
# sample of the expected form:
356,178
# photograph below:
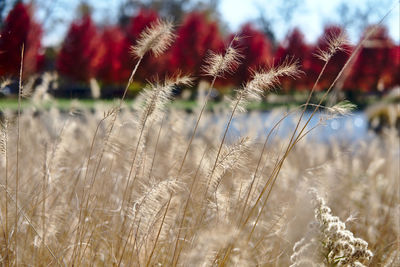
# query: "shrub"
295,46
79,56
375,65
113,49
195,38
256,50
335,63
20,29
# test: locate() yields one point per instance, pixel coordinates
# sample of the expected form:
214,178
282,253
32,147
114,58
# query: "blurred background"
85,44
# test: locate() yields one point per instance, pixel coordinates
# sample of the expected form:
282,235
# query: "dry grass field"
160,187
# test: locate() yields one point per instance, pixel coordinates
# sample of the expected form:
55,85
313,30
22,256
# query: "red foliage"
396,70
294,46
196,37
112,51
257,52
20,28
375,65
79,57
335,64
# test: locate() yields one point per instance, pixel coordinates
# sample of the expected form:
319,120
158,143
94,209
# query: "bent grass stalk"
175,257
150,40
17,163
29,221
277,168
156,39
5,148
219,67
104,146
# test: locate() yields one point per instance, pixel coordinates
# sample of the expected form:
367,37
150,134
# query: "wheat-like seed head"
335,42
4,137
217,64
265,80
5,82
153,99
342,108
231,158
156,38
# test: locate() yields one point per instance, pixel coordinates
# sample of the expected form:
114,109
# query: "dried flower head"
265,80
335,42
340,245
217,64
342,108
156,38
231,157
153,99
3,136
5,82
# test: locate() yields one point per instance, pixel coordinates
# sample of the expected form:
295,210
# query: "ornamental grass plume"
151,109
153,100
265,80
216,65
232,156
335,42
219,64
342,108
156,38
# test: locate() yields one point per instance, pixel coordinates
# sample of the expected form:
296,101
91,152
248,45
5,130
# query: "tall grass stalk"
292,143
216,66
4,150
159,193
17,162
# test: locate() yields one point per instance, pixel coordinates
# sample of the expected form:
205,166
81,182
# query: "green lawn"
273,101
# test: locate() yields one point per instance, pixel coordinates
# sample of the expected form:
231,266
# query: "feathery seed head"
342,108
156,38
217,64
4,136
154,98
335,42
265,80
179,79
5,82
230,158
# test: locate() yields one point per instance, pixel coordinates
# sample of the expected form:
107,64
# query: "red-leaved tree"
196,37
112,50
20,29
294,46
79,57
375,65
257,52
336,62
396,70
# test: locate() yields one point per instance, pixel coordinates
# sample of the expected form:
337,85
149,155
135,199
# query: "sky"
310,16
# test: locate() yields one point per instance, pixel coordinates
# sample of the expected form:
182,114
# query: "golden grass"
162,187
57,214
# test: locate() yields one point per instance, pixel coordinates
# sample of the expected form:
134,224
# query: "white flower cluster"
340,244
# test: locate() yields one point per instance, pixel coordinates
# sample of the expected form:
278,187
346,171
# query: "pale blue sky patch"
310,16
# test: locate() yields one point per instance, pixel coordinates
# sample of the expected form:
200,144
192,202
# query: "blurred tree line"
102,52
